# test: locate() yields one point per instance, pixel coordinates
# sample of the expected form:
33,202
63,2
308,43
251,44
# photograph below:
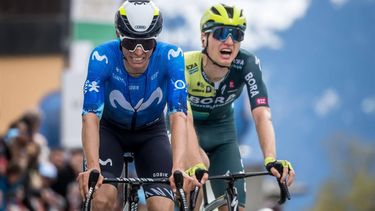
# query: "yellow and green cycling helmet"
223,15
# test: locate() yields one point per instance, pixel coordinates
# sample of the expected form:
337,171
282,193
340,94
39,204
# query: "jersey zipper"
135,114
216,90
134,120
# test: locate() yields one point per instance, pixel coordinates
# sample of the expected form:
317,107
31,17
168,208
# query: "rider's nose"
138,50
229,40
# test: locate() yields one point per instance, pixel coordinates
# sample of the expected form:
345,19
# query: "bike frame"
229,198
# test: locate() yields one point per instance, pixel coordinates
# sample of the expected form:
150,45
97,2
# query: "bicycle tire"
218,202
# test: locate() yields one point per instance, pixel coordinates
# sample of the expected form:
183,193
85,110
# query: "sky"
321,82
264,18
318,61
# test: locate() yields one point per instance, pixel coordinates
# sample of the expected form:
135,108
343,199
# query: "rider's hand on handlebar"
192,171
188,181
281,169
83,180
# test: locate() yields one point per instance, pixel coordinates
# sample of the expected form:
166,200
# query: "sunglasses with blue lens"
222,33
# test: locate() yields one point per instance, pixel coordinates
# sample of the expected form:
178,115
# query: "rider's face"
137,59
137,53
223,52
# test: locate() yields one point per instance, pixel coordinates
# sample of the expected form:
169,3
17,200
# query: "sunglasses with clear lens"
132,44
222,33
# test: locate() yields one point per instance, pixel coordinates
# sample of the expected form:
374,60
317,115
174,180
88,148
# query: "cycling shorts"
152,153
218,139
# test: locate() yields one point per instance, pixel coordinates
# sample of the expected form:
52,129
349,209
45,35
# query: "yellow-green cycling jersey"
211,101
212,109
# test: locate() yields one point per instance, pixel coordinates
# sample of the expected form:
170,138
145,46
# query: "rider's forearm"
193,148
90,140
266,134
178,139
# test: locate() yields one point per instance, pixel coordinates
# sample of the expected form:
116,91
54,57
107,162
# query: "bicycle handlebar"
93,179
178,177
194,194
179,181
241,175
94,176
136,180
284,191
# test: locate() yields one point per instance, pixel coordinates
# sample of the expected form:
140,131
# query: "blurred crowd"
34,176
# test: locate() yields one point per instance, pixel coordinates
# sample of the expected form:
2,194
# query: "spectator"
32,119
23,150
73,195
15,189
65,173
4,158
48,197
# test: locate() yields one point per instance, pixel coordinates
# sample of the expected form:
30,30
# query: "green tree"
353,185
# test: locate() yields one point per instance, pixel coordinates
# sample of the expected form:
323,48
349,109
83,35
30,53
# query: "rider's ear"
204,40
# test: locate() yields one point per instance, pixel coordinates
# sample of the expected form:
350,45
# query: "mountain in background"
318,61
321,83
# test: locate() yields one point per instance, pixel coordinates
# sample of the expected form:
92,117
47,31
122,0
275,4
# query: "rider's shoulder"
246,55
167,47
192,53
192,56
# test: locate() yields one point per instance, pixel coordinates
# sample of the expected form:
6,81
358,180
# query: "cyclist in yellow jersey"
216,77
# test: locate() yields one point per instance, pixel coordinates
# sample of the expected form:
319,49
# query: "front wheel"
218,202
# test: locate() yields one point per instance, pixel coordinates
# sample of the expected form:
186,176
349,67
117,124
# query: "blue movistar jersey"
134,102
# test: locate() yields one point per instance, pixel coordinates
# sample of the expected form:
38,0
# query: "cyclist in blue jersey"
129,82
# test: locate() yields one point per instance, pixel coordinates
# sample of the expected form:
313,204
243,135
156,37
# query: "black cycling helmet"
138,19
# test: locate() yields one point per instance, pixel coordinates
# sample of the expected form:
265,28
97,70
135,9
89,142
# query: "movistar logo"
174,53
98,57
104,163
117,96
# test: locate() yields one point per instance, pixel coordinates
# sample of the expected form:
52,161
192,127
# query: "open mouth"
137,60
226,52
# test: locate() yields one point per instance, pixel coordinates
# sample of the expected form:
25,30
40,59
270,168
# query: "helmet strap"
122,52
205,51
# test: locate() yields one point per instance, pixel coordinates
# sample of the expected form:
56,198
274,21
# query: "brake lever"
179,181
194,194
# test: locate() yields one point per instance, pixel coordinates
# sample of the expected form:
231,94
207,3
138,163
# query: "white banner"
96,11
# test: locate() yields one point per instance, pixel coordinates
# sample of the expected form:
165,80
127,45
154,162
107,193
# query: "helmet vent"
139,1
153,22
214,10
229,11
